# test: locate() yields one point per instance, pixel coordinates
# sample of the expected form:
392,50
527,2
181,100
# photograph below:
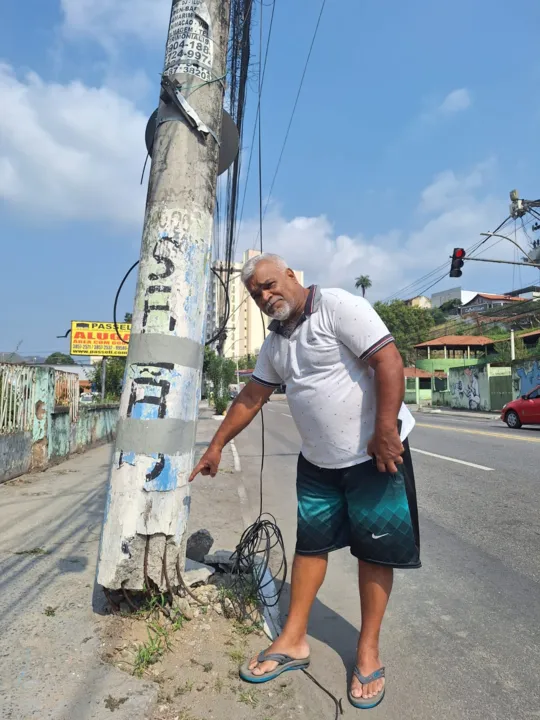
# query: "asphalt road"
461,637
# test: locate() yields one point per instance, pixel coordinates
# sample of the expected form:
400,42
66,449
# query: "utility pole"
143,539
103,377
512,344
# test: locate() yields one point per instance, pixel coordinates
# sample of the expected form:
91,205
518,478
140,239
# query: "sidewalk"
475,415
50,644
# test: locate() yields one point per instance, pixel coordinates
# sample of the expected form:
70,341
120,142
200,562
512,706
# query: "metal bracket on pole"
504,262
171,92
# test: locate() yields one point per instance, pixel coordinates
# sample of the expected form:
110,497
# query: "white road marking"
287,415
455,460
236,457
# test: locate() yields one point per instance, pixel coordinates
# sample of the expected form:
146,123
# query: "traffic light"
457,262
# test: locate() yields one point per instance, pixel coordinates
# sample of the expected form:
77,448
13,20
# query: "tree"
221,372
409,326
450,306
58,358
114,377
363,282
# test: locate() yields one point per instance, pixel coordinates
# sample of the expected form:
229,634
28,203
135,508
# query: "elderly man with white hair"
355,482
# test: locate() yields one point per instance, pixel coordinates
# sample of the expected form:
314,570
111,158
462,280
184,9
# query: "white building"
464,296
245,330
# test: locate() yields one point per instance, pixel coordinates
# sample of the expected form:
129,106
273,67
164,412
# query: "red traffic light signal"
457,262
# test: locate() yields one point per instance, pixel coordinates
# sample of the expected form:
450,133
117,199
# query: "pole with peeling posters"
148,498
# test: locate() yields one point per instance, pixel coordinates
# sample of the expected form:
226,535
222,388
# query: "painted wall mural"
469,388
526,377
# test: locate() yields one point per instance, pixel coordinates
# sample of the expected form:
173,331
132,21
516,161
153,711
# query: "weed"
248,697
208,667
218,685
243,628
187,687
233,674
150,652
237,656
50,611
34,551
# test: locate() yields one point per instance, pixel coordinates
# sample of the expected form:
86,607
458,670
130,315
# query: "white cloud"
448,190
70,151
454,102
395,259
106,21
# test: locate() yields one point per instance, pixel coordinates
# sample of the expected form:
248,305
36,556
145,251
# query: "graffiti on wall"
469,388
526,377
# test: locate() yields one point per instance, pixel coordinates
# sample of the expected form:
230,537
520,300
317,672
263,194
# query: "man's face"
274,290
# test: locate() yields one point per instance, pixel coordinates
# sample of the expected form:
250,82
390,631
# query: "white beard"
283,313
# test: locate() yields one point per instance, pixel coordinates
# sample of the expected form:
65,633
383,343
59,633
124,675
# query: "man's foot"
368,662
296,650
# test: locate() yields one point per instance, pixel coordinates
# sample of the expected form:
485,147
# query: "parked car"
524,411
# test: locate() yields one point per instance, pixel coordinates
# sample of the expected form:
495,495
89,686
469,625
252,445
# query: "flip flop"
285,664
367,703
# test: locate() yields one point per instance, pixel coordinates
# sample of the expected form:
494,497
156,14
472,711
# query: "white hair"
251,264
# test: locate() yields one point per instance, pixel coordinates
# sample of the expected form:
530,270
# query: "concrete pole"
148,501
103,377
512,344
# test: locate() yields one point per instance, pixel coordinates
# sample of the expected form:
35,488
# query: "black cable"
116,300
208,342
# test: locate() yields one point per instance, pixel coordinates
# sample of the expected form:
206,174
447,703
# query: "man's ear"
290,273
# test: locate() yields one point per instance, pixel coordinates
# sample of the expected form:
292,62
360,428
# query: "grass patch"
218,685
249,697
50,611
236,656
243,628
34,551
113,704
150,652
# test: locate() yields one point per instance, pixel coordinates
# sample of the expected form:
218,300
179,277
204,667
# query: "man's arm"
385,445
247,404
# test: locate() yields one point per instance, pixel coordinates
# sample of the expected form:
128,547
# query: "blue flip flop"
367,703
285,664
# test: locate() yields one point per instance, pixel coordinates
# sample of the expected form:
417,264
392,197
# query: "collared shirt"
322,360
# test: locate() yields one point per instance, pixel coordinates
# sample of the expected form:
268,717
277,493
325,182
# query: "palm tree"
363,282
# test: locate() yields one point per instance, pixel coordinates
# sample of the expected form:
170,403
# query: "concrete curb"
452,413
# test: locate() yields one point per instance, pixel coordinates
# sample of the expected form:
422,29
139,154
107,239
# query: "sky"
415,121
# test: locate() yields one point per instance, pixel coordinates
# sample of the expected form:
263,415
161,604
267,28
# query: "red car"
525,411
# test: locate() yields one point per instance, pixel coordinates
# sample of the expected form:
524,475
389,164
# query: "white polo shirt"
330,386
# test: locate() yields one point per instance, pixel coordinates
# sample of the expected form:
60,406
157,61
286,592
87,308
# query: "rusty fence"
66,392
17,387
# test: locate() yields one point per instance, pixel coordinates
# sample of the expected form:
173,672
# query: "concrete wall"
434,364
15,454
469,388
525,376
52,436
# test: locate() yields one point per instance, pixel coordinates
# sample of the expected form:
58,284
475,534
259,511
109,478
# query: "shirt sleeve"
264,372
359,327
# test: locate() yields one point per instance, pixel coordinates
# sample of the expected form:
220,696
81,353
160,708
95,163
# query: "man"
355,485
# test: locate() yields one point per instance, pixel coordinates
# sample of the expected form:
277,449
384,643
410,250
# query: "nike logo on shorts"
378,537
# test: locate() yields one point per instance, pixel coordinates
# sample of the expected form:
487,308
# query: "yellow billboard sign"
99,338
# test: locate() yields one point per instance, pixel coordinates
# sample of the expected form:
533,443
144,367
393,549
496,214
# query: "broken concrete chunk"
182,604
199,544
219,557
196,573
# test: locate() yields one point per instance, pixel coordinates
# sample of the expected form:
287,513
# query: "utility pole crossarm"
143,540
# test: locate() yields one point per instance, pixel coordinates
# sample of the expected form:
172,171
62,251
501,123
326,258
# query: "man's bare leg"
375,583
307,577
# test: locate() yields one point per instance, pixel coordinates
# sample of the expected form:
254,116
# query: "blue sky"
415,121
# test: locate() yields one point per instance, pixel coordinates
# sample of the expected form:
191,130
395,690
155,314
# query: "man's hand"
387,449
208,464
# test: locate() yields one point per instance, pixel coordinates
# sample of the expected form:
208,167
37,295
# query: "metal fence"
66,392
17,387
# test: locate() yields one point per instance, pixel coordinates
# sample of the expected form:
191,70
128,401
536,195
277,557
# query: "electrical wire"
295,106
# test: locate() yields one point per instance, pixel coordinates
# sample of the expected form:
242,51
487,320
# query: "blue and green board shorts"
373,513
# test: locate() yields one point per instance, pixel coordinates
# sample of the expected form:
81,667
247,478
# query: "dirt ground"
198,676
